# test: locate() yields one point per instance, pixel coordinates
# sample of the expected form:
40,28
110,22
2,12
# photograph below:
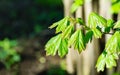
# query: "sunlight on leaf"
101,62
113,44
52,45
61,25
77,40
57,44
76,5
117,25
110,61
97,33
95,20
67,32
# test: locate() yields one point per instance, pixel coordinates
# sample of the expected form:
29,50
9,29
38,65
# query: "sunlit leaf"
95,20
80,2
110,23
115,7
73,38
55,24
68,31
101,62
113,44
115,55
57,44
77,40
117,25
96,33
63,49
61,25
114,1
110,61
76,5
52,45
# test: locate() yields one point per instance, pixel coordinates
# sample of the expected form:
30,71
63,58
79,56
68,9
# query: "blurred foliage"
115,6
8,55
56,71
76,5
116,74
49,2
25,17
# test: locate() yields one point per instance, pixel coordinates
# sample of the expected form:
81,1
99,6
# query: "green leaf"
95,20
115,7
115,55
6,44
79,2
110,61
113,44
57,44
117,25
114,1
52,45
118,43
67,32
55,24
76,5
73,38
106,59
101,62
80,21
16,58
63,49
110,23
61,25
77,40
107,30
96,33
88,36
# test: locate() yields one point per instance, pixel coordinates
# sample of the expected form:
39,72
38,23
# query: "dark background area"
25,18
26,23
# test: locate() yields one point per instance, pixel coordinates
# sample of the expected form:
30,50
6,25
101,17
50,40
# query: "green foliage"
37,28
53,45
97,26
60,42
57,43
95,21
88,36
112,49
116,73
8,55
113,44
106,59
117,25
115,6
61,25
56,71
76,5
67,36
77,40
